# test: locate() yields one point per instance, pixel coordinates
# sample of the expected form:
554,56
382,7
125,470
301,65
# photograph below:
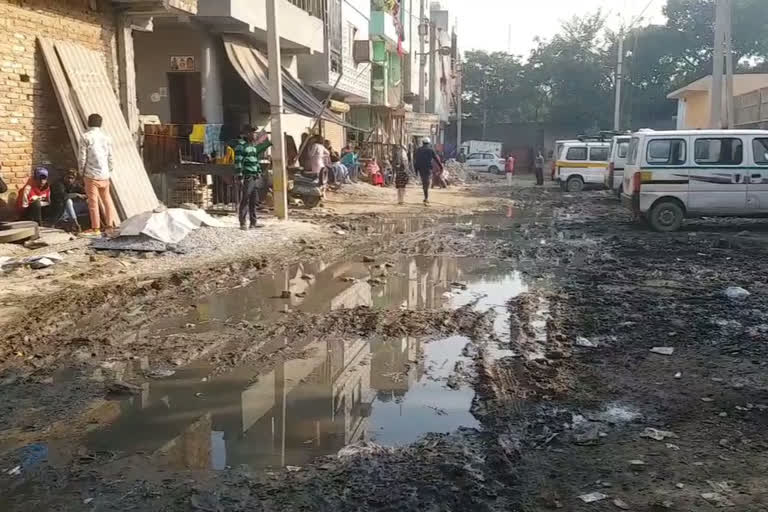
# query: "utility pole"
619,78
422,59
280,181
729,101
716,106
459,94
432,69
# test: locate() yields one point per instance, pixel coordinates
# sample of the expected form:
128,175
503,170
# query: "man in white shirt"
95,163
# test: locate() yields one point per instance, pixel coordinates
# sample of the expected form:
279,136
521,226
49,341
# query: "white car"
485,162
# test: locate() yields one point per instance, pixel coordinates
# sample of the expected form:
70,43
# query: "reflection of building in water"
395,367
302,409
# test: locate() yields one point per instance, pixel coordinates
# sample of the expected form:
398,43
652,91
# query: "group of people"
538,165
63,201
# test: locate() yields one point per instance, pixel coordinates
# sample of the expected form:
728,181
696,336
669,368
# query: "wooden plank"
93,93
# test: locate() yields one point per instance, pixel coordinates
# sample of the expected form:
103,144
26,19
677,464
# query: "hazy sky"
484,24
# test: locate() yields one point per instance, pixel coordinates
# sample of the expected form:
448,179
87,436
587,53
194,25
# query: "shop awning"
253,67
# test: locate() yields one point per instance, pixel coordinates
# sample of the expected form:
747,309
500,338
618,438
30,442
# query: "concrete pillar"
210,71
127,74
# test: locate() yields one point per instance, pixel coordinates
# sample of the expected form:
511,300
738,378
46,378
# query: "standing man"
96,165
422,162
249,175
539,164
509,168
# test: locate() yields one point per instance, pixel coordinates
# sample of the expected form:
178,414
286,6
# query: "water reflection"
340,391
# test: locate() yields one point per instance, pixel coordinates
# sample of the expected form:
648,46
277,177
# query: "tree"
493,83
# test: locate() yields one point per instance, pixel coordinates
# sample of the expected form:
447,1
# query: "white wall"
356,79
153,51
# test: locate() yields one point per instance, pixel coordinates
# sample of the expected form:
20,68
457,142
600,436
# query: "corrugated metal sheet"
82,88
253,67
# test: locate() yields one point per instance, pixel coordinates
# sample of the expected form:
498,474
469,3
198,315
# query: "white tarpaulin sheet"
169,226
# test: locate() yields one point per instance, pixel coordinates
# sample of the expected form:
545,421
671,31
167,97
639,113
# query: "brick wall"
32,129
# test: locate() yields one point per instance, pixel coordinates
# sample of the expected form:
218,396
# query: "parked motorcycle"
305,188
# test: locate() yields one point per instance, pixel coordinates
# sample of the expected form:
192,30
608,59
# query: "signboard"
182,63
420,125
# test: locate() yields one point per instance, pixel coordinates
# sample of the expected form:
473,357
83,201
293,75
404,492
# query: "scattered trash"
123,388
593,497
340,232
44,261
707,399
293,469
678,375
160,373
14,471
623,505
657,435
717,499
673,447
736,293
664,351
584,342
637,462
86,501
680,486
368,259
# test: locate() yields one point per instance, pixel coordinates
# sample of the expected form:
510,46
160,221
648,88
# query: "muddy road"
548,354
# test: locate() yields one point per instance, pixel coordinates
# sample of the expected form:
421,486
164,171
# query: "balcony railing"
317,8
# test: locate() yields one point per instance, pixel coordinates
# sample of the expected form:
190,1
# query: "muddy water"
339,392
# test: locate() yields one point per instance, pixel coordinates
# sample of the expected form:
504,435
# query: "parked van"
580,164
556,155
617,160
672,175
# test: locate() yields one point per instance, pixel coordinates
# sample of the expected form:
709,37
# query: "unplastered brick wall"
32,129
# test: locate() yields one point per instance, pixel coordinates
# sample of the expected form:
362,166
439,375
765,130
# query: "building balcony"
383,27
301,25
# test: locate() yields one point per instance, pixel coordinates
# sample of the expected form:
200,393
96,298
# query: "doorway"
185,94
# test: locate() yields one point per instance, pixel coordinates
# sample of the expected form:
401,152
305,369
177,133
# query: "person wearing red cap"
34,198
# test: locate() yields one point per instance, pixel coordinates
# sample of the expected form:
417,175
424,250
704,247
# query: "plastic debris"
623,505
14,471
585,342
657,435
593,497
293,469
664,351
679,375
736,293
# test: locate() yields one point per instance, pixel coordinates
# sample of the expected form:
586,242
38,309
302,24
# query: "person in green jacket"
250,176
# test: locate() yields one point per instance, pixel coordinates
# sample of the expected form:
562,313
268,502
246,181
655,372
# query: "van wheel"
493,170
574,184
666,216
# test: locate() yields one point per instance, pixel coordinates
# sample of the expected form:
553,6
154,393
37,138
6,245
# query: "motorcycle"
306,188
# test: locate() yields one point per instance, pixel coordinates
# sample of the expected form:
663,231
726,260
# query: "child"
401,181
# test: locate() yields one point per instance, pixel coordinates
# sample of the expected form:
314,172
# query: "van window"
632,151
576,154
598,154
719,151
622,149
760,148
666,152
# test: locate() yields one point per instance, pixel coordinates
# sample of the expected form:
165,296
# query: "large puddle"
339,392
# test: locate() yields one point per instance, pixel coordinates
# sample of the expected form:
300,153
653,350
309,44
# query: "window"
488,156
719,151
760,148
632,151
666,152
598,154
576,154
475,156
622,149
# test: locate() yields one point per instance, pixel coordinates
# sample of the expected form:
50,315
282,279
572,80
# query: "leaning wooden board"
82,88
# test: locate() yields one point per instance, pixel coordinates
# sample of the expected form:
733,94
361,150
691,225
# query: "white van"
617,160
556,155
677,174
580,164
